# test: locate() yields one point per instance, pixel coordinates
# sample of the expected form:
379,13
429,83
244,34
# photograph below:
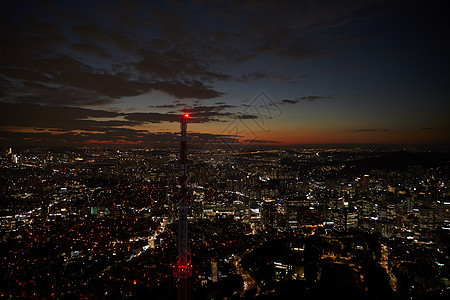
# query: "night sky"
89,73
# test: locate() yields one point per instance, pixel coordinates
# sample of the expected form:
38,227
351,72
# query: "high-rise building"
365,186
269,214
214,271
345,218
198,205
301,211
292,206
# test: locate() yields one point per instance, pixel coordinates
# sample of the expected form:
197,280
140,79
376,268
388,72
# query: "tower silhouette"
183,268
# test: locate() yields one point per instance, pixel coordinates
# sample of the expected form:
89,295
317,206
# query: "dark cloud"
112,137
246,116
288,101
37,52
116,136
313,98
76,54
175,64
65,73
56,124
174,105
366,130
59,118
305,98
153,117
268,75
31,124
63,96
24,74
110,85
71,73
372,130
216,113
104,49
24,39
96,32
215,108
186,89
90,48
252,76
198,114
28,115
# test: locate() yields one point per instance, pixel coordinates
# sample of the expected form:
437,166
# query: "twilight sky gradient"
76,73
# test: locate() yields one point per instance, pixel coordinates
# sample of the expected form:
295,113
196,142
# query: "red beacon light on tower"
186,115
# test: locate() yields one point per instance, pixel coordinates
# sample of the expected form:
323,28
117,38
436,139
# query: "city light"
316,166
113,213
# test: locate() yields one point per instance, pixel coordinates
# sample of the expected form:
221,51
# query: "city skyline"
256,72
269,224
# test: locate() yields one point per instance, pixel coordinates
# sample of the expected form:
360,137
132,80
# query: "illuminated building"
365,183
214,271
268,214
301,211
